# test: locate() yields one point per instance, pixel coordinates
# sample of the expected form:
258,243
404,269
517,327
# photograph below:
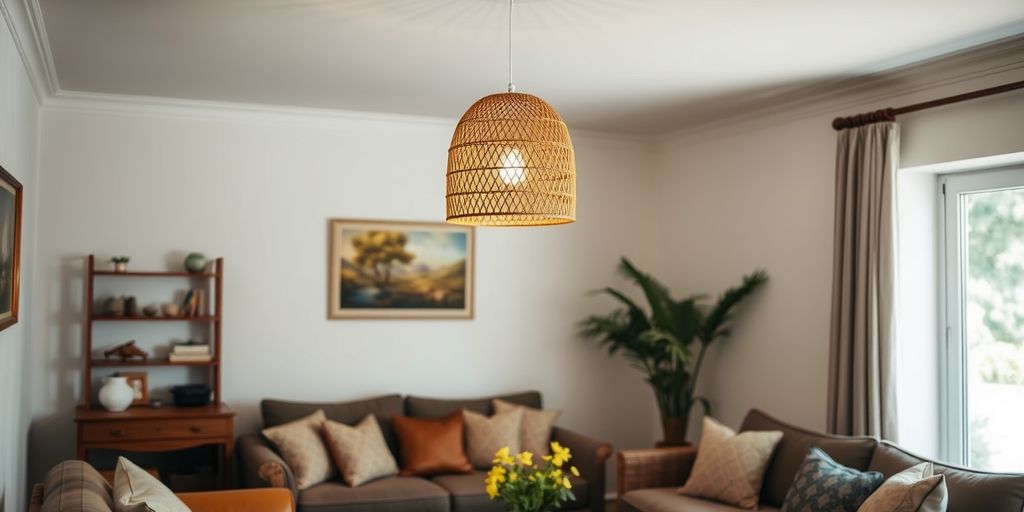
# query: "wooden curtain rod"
889,114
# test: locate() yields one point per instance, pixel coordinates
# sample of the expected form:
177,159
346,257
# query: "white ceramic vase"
116,395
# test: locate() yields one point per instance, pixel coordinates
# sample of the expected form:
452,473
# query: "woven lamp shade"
511,163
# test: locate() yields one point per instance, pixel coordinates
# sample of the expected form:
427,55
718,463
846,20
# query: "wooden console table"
145,429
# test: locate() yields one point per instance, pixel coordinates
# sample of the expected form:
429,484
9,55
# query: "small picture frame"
140,385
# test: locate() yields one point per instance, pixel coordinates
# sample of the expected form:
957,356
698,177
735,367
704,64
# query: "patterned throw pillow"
824,484
537,424
302,447
135,490
917,489
485,436
729,466
360,452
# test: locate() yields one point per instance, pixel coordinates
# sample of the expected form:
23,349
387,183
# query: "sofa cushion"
853,452
666,499
276,412
486,435
535,435
468,493
730,467
432,446
916,489
360,453
968,490
396,494
421,407
824,484
135,490
72,486
301,445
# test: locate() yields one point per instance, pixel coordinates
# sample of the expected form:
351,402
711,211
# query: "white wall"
760,194
19,139
258,190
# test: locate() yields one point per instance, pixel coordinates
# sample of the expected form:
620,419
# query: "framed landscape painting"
10,248
383,269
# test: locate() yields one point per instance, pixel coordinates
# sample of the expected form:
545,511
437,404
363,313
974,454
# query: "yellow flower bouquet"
525,486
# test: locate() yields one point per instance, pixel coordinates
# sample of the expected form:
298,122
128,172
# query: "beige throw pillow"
729,466
485,436
302,447
135,490
360,452
537,424
917,489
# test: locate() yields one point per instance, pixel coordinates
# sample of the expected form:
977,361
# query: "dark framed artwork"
380,269
10,248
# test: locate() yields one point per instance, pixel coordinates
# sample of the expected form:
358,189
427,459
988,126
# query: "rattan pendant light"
511,162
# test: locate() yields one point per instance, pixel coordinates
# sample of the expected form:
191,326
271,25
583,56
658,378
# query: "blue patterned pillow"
824,485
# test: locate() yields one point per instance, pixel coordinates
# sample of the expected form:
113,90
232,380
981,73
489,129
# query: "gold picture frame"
395,269
10,248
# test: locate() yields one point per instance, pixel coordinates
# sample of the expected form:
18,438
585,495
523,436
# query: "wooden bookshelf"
157,429
214,282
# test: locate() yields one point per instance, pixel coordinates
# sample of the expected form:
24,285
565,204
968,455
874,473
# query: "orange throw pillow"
432,446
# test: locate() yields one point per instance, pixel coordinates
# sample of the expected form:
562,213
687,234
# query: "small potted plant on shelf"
120,263
523,485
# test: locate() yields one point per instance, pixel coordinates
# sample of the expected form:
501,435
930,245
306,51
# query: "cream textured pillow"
302,447
135,490
485,436
917,489
537,425
360,452
730,467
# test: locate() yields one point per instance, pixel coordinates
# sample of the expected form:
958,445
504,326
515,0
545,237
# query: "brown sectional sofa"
261,466
648,479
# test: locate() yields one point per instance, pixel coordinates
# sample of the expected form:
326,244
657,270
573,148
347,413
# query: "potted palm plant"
668,341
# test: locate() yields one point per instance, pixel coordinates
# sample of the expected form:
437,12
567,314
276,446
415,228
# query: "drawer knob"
195,429
117,432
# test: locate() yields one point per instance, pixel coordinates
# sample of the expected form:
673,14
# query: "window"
983,353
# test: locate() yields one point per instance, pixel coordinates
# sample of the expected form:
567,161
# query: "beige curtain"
862,387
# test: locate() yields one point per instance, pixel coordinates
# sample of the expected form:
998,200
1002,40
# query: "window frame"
953,435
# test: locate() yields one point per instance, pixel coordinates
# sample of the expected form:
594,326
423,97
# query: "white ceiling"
643,66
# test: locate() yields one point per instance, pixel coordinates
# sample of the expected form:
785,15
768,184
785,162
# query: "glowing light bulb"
513,168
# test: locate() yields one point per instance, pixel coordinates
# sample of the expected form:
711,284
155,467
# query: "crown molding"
25,22
1000,61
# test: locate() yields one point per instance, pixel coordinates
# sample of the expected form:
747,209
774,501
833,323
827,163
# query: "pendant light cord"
511,84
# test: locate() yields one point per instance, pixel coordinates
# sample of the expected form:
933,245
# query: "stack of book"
191,353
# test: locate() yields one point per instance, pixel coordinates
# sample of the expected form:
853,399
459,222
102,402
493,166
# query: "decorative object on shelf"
191,352
151,310
113,306
193,303
116,395
120,263
669,342
191,395
523,484
171,309
131,306
139,382
156,403
126,351
10,248
511,161
400,270
195,262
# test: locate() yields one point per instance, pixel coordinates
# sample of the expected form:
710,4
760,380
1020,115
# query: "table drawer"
154,429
